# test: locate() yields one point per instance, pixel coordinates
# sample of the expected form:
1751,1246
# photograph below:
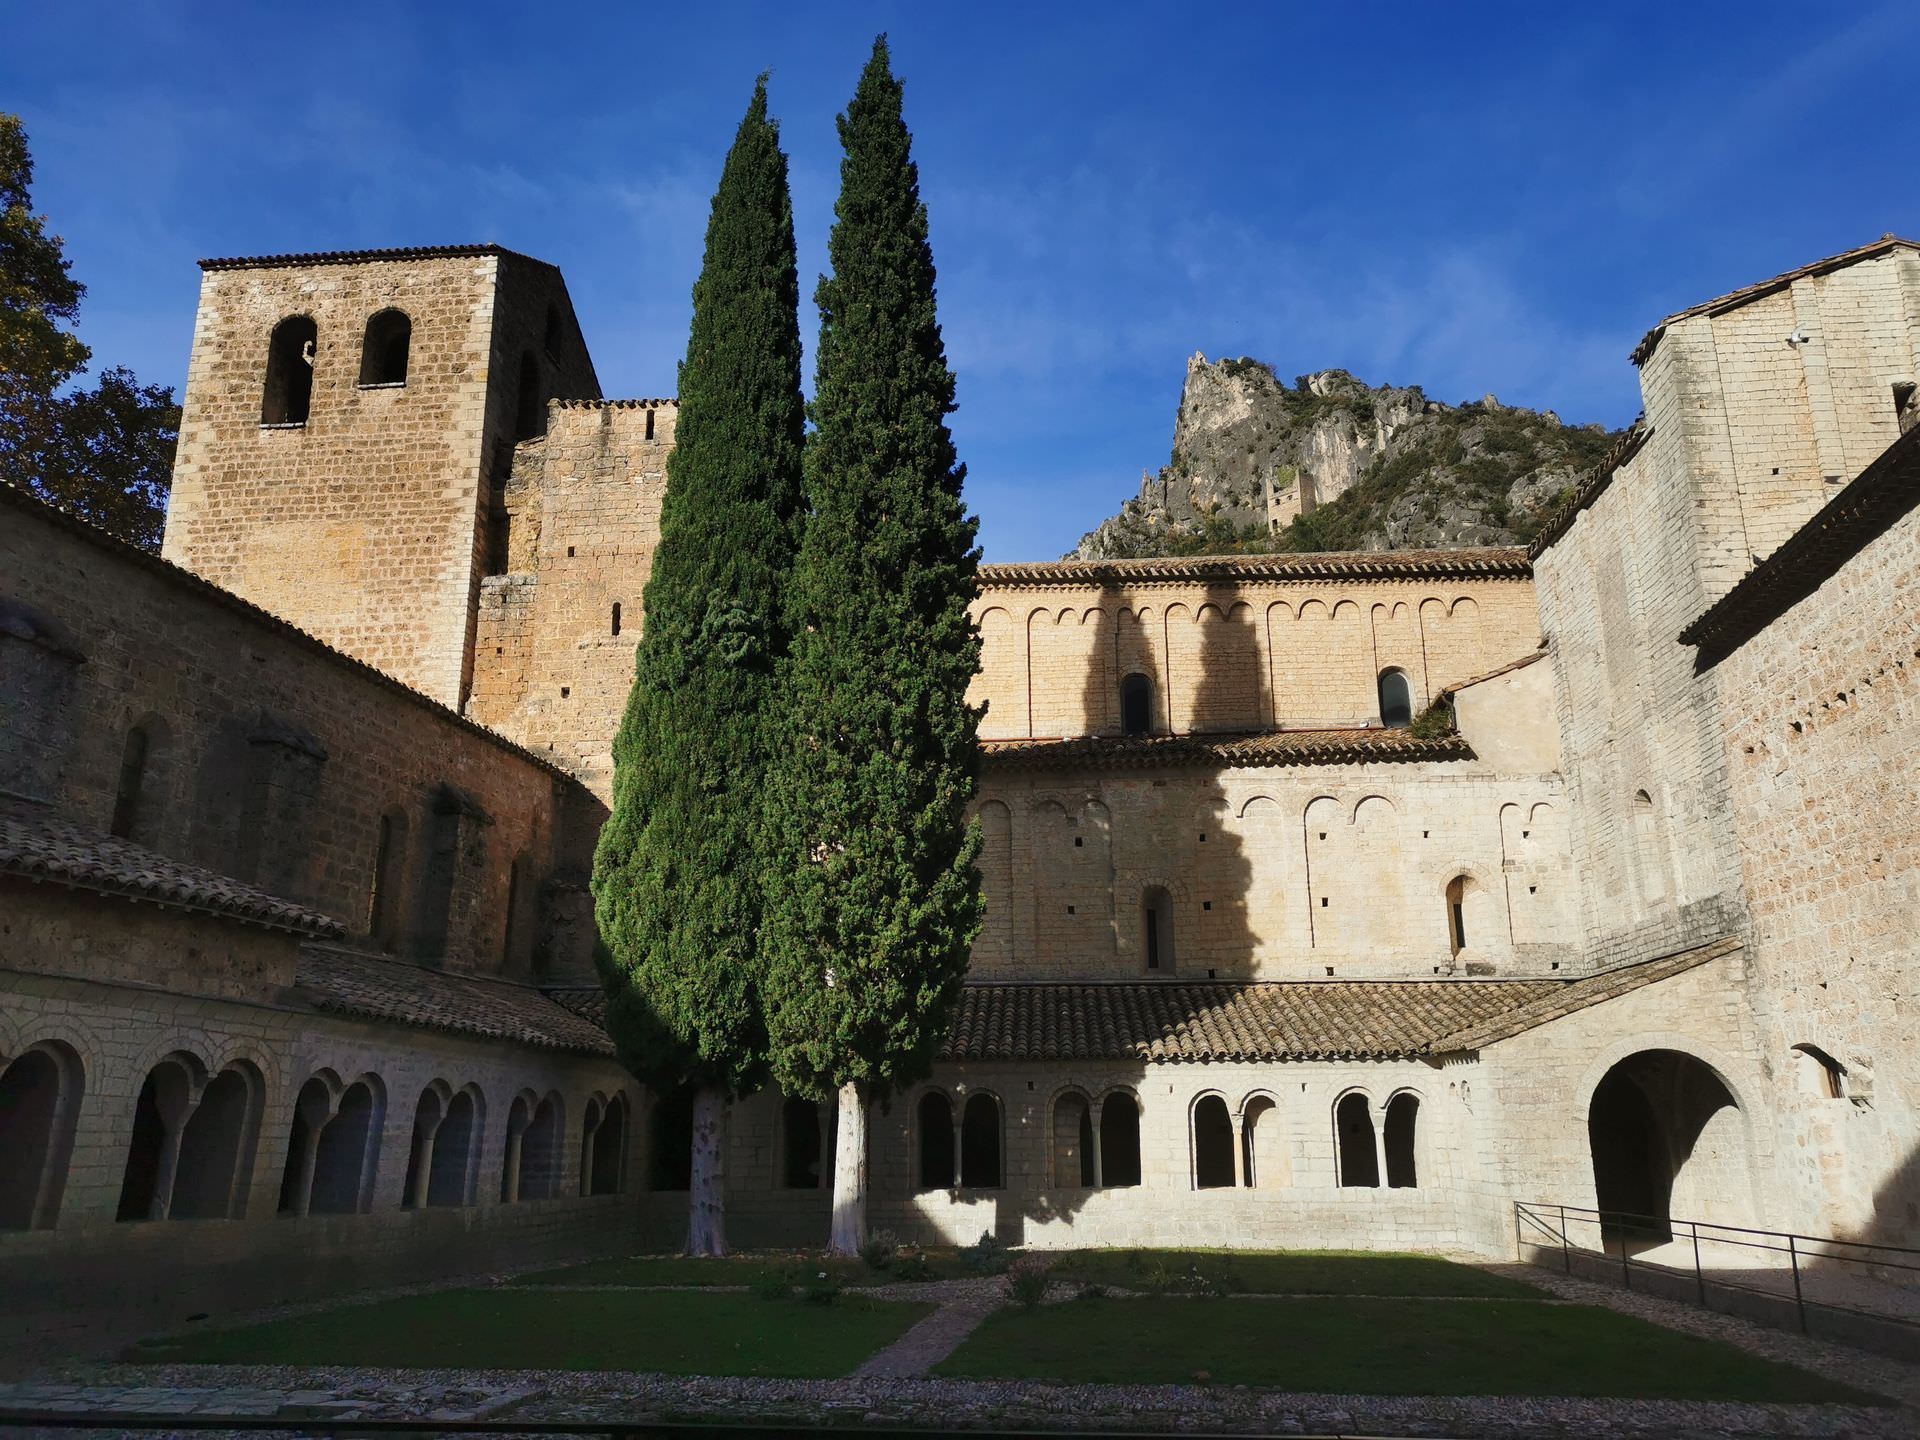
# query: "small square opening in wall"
1556,965
1323,902
1526,834
565,691
1533,889
1323,834
1210,975
1076,842
1206,904
1203,837
1069,909
1423,834
570,552
1329,970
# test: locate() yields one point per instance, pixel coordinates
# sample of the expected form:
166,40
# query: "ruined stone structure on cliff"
295,943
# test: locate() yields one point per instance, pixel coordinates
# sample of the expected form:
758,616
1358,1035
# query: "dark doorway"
980,1143
935,1114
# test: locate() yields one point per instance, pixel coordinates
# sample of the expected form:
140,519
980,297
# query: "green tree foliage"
877,902
679,873
106,453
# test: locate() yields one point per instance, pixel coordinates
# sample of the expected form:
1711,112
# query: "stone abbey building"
295,824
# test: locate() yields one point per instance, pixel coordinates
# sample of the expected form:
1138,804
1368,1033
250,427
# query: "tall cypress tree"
876,903
680,872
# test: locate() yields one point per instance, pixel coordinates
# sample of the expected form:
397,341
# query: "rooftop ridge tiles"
1590,487
1733,299
1258,750
362,257
1497,561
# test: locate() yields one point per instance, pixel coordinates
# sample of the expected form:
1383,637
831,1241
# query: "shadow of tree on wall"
1176,888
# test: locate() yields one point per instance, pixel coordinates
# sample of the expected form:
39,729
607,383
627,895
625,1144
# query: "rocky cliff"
1331,463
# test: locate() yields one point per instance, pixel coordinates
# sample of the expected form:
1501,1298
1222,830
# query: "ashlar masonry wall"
554,647
267,756
364,521
1234,655
1822,718
1274,873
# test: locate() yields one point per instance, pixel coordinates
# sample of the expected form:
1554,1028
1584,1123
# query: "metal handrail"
1549,1222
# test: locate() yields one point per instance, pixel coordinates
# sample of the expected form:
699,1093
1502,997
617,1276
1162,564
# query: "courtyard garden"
1303,1322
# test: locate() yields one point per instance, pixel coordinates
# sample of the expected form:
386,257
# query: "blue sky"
1497,198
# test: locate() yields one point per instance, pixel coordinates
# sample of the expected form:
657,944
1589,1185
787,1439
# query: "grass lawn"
673,1332
1364,1346
751,1268
1288,1272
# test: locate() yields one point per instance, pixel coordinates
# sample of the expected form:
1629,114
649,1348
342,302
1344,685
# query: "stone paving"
893,1388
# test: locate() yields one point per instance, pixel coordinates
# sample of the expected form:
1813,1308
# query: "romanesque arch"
1119,1121
1667,1138
933,1124
40,1092
1399,1140
981,1142
215,1165
1074,1147
456,1150
1211,1127
1357,1150
1263,1152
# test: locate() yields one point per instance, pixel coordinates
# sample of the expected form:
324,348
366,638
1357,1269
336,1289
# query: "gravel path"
506,1395
963,1305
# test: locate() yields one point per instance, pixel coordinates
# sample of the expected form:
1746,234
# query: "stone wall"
1789,394
553,664
363,521
1251,654
268,757
1273,874
1821,710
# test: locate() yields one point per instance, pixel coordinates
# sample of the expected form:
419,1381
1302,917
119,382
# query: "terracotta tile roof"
1271,748
351,982
589,1002
1170,1023
1881,495
176,575
1530,658
39,847
1567,997
1734,299
1165,1023
653,403
1591,488
364,257
1332,565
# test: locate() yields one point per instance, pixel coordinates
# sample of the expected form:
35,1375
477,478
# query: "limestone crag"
1334,463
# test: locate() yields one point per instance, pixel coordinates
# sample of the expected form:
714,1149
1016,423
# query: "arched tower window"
1136,705
1457,912
136,800
1156,931
384,352
1396,699
288,394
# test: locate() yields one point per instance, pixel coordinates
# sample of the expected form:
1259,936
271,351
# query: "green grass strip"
1364,1346
670,1332
1287,1272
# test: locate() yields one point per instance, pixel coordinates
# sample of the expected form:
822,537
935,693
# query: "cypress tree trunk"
681,870
707,1190
873,899
850,1172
